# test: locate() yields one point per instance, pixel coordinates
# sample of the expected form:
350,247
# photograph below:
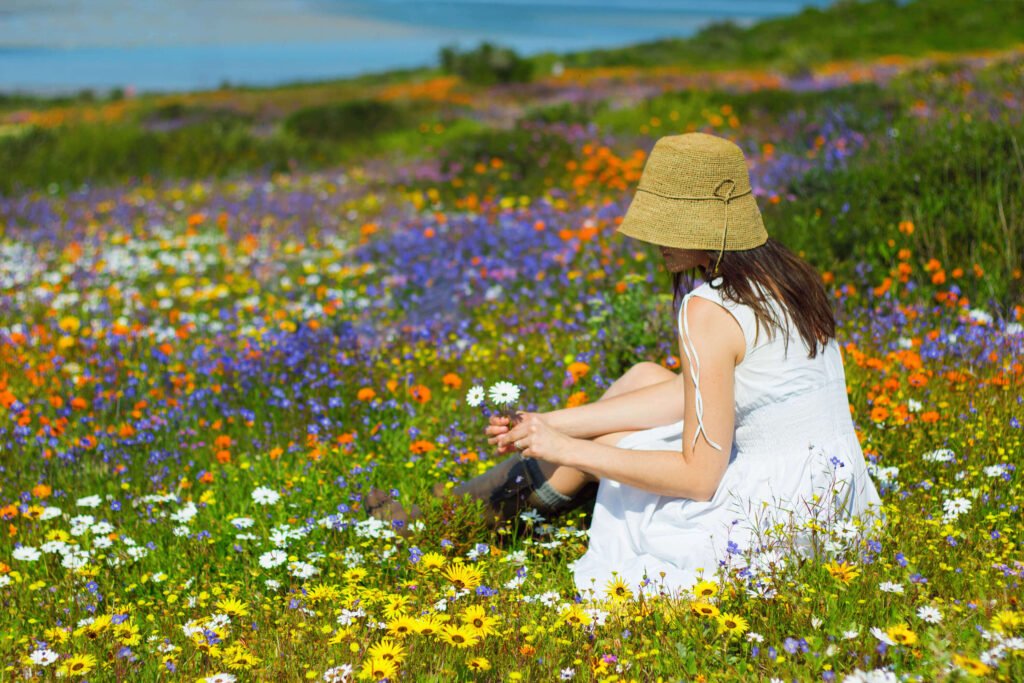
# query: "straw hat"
694,193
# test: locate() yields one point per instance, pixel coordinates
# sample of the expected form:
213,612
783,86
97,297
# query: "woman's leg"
515,481
567,480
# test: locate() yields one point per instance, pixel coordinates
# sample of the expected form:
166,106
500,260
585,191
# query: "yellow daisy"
431,561
972,666
93,630
459,636
901,634
704,609
479,664
376,668
396,606
733,624
476,618
1006,621
78,665
387,649
232,607
403,626
576,616
616,589
844,573
704,590
354,575
463,576
428,626
322,592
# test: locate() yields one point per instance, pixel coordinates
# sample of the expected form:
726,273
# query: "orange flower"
275,453
452,380
9,511
207,478
41,491
222,441
879,413
419,393
366,394
577,399
223,457
578,370
421,446
930,417
907,227
918,379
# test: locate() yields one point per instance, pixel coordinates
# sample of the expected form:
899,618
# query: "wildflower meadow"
202,377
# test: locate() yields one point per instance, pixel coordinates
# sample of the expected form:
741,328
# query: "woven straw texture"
695,193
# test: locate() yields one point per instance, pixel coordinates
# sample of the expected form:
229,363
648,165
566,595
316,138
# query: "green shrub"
486,65
531,160
354,119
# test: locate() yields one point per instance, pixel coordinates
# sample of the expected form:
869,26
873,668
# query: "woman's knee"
638,376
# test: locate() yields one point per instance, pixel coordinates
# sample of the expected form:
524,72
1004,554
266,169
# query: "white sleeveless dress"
795,457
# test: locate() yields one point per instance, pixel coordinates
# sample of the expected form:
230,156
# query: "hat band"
723,198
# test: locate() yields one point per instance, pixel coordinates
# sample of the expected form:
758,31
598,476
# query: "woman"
754,432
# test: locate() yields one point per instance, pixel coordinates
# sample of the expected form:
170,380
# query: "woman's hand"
535,438
499,425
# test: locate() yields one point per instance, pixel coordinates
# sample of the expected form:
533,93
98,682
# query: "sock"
545,492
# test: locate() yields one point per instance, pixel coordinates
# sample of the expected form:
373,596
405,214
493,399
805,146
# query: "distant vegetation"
847,29
487,64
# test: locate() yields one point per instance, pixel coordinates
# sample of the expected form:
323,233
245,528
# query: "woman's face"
677,260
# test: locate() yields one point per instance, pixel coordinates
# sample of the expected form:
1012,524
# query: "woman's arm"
650,406
697,470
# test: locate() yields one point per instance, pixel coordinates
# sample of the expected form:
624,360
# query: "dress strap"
691,355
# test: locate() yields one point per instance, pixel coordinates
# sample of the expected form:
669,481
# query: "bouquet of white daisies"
502,394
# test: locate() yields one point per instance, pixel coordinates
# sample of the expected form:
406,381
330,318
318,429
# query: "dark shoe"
516,485
507,489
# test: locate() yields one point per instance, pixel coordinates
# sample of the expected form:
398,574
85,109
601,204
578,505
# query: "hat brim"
694,223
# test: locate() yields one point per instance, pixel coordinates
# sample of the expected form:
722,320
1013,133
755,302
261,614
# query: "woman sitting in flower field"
751,436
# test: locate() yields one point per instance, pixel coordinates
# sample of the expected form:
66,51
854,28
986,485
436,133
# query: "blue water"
54,46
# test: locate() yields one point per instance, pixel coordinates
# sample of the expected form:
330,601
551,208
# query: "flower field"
200,381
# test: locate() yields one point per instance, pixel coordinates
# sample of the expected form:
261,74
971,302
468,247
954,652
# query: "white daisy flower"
89,502
504,393
890,587
221,678
43,657
914,405
50,512
475,396
338,674
874,676
243,522
940,455
954,507
273,558
26,553
981,316
929,614
882,635
265,496
995,470
303,570
531,516
754,637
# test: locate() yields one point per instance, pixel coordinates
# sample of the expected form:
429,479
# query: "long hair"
755,276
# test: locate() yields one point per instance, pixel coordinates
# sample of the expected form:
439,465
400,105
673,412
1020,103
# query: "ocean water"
53,46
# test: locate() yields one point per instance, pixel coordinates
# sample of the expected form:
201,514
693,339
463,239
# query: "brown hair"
751,276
